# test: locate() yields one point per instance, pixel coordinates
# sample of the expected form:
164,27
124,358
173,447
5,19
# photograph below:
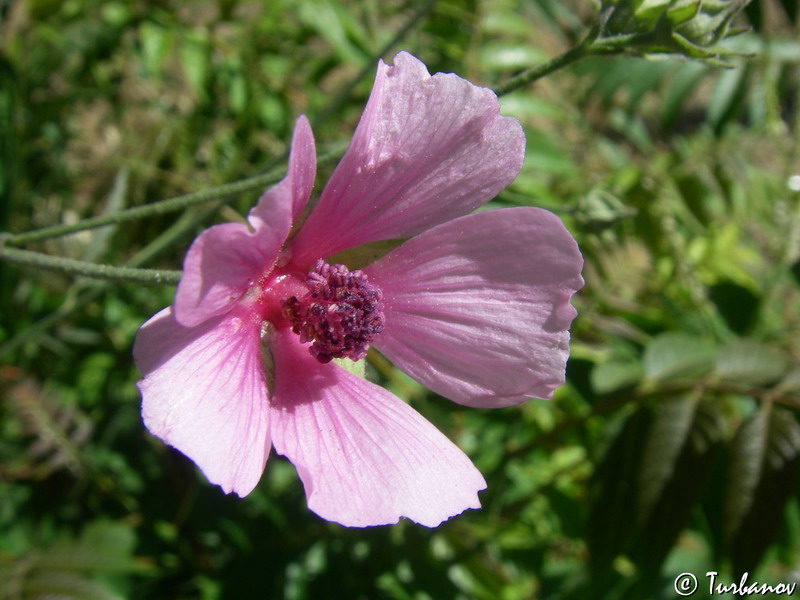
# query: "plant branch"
554,64
222,192
78,297
88,269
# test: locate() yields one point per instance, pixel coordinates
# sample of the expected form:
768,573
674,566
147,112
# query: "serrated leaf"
765,462
613,492
680,488
649,480
750,362
666,437
676,356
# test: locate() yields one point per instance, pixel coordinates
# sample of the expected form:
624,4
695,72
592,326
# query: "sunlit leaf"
614,375
750,362
674,356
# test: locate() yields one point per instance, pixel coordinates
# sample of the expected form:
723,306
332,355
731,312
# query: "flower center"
341,313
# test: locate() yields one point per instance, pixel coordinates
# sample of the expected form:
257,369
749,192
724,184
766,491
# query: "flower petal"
221,264
478,309
224,260
427,149
295,189
204,393
365,457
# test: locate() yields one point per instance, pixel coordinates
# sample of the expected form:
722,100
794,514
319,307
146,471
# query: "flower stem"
148,210
82,292
554,64
88,269
161,207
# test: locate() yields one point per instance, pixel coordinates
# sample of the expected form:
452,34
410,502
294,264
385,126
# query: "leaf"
686,78
727,92
762,475
735,303
612,492
676,356
648,482
194,53
750,362
65,586
614,375
671,487
666,437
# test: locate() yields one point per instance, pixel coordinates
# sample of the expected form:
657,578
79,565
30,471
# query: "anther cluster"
340,314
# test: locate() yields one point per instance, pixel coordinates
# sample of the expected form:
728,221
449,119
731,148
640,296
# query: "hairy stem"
88,269
535,73
222,192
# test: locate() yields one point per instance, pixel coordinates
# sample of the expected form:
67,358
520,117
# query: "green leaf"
104,546
762,476
675,356
194,59
614,375
650,10
737,304
665,440
65,586
683,10
648,481
726,96
672,485
612,492
686,78
750,362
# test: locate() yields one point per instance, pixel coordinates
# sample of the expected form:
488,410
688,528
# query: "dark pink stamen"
341,313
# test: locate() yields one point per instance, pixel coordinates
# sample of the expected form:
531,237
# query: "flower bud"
689,28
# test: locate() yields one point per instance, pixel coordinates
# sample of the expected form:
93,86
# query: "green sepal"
357,368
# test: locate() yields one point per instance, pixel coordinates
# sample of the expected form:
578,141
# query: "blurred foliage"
674,446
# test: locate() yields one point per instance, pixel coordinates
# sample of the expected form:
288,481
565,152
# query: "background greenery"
675,444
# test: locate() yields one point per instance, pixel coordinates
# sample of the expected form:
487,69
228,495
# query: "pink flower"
474,306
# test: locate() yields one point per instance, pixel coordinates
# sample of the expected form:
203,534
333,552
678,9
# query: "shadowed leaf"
764,466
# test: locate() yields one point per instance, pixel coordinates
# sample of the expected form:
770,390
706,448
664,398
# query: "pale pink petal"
224,260
204,393
221,264
478,309
295,189
364,456
427,149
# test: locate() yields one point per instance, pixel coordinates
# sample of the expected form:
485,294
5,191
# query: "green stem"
79,296
220,193
148,210
88,269
554,64
161,207
235,188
